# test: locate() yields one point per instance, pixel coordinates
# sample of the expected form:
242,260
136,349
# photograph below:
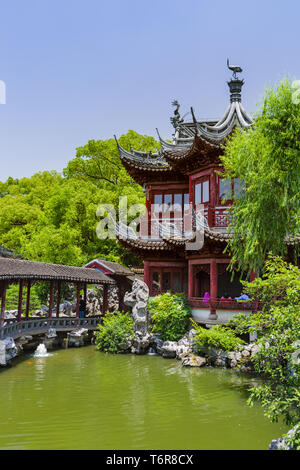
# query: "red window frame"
161,272
228,201
172,193
201,180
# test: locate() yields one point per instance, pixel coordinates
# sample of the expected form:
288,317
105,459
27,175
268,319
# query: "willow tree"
267,158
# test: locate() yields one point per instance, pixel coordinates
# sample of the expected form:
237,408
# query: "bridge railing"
13,328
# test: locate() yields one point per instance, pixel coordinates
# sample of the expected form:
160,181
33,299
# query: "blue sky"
80,70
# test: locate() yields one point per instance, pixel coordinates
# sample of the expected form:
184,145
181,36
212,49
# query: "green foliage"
217,336
12,298
170,316
99,161
293,440
266,158
278,329
117,328
279,284
52,218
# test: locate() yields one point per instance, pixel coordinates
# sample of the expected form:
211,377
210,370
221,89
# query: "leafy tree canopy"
266,158
52,217
99,161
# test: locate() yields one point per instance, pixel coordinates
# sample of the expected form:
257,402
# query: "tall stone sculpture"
137,299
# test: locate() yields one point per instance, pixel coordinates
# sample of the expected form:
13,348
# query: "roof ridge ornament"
235,69
235,84
176,120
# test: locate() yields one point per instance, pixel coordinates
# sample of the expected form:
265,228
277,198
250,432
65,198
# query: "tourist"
82,306
242,298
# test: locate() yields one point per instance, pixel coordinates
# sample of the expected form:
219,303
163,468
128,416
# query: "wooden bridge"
34,326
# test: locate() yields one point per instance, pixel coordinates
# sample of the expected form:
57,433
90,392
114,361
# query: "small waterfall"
152,352
41,351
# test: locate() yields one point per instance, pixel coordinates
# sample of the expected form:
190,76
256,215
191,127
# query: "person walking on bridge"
82,307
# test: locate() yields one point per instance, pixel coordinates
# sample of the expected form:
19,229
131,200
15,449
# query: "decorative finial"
235,84
235,69
176,119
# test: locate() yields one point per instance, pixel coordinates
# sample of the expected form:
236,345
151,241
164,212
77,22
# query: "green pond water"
84,399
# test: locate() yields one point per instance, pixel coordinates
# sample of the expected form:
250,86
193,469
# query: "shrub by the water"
170,316
218,336
115,332
278,330
292,438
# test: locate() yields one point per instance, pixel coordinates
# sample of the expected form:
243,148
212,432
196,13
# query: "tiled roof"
13,269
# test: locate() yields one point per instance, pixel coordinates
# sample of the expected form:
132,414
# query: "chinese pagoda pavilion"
184,174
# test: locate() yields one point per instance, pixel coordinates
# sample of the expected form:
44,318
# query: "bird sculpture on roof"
235,69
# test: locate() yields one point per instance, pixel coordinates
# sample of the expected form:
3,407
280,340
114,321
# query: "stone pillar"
28,299
19,317
213,286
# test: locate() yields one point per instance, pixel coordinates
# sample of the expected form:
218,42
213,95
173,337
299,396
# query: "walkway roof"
15,269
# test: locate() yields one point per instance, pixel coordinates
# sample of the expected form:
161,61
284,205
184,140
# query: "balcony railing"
220,217
179,227
227,304
176,227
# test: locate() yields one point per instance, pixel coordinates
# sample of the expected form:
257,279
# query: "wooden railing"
226,304
213,217
220,217
13,328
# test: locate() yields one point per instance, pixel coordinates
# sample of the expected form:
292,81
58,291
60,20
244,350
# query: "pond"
84,399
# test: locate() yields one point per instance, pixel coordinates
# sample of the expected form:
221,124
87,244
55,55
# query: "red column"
147,273
58,299
213,284
19,317
190,190
190,281
3,300
213,198
28,299
147,218
105,299
196,286
213,189
78,300
85,296
51,299
253,275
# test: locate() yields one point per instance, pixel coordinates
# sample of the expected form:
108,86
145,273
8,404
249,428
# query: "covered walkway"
25,273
